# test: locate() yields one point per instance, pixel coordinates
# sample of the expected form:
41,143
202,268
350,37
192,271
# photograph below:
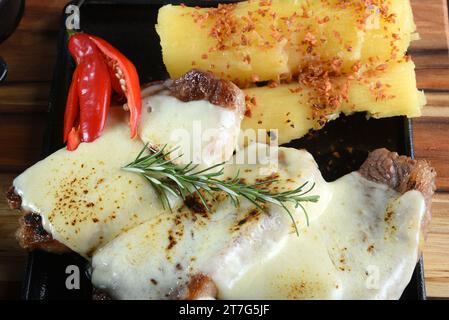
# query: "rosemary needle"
167,178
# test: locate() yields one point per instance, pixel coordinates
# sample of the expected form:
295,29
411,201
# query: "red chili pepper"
73,140
126,73
115,81
94,86
99,66
72,108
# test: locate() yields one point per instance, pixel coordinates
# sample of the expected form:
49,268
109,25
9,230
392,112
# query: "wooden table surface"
31,51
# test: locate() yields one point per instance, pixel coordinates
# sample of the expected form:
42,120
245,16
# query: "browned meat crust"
402,174
14,200
31,234
199,286
201,85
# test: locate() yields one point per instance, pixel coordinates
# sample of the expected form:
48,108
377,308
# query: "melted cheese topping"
84,198
362,243
364,246
206,133
154,259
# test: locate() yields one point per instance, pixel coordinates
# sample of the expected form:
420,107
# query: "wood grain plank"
437,105
436,259
8,224
11,268
9,248
429,59
432,24
431,51
30,52
30,97
431,135
21,138
431,142
433,79
437,99
12,257
36,51
12,272
41,16
10,290
5,182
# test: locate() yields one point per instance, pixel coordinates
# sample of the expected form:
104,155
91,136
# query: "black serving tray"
129,25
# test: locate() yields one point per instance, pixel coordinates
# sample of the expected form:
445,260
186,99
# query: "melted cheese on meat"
362,243
84,198
206,133
153,260
364,246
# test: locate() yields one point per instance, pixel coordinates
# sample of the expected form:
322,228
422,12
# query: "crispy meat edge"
31,235
202,85
402,174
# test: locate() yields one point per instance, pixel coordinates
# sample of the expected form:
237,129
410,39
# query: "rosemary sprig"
166,178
